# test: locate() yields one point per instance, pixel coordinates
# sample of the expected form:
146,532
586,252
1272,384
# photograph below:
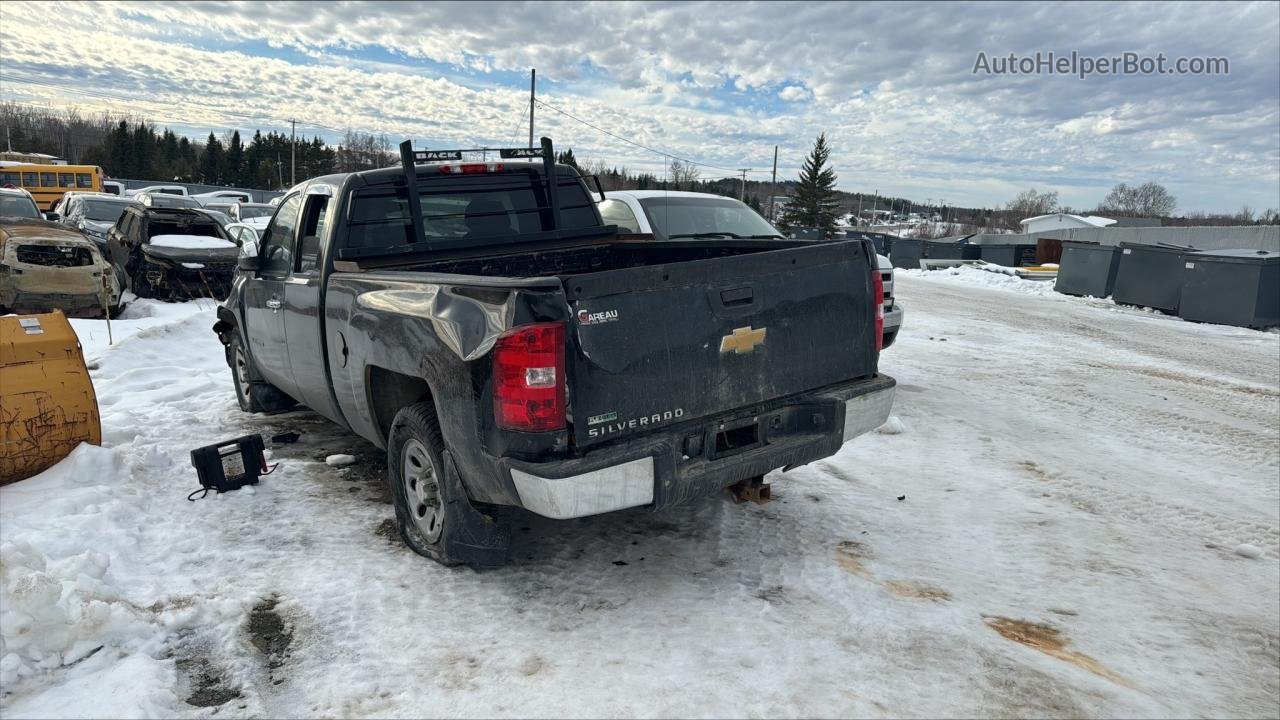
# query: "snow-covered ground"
1049,527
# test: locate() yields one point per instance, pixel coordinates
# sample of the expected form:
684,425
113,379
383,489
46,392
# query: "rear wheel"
139,283
435,517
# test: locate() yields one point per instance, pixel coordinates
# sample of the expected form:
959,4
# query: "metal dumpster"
46,397
1087,269
807,233
1009,254
883,242
951,250
1151,275
906,253
1232,287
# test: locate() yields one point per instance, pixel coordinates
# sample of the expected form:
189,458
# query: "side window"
66,180
313,223
30,179
48,179
616,212
126,221
84,180
277,241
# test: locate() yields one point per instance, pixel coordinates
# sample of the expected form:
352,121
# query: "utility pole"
857,220
533,84
742,196
293,152
773,185
8,140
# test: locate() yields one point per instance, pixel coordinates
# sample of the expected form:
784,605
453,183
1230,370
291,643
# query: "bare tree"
683,175
1149,199
1029,203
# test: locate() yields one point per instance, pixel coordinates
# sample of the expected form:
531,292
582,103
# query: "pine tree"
815,202
212,161
120,150
234,174
567,158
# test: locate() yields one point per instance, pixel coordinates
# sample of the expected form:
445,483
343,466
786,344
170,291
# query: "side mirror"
248,260
52,216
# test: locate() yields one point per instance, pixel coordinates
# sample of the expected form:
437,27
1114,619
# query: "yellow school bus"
48,183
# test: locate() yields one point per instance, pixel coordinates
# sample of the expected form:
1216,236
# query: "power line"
636,144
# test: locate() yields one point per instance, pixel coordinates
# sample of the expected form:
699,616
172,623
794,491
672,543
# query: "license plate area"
736,438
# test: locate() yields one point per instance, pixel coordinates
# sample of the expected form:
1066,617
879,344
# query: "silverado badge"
742,340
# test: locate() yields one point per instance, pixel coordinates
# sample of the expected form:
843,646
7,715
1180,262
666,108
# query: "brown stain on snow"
1050,641
917,591
850,556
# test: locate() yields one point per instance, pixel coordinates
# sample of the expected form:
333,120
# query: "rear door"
264,297
670,343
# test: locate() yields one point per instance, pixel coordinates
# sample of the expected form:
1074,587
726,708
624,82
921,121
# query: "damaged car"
45,266
172,253
93,213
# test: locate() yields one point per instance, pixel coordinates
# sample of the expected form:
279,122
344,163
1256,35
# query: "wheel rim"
242,373
422,489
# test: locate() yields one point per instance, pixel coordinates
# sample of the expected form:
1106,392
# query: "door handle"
274,304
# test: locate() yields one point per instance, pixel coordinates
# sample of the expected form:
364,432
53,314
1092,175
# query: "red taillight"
471,168
528,378
877,290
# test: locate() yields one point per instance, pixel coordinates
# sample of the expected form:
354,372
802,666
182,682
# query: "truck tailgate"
669,343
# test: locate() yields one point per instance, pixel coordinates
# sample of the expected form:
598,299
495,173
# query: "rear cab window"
469,211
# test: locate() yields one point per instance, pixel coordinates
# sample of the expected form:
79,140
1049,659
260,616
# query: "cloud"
794,93
722,83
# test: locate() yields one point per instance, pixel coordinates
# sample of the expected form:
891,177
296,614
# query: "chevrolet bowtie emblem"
742,340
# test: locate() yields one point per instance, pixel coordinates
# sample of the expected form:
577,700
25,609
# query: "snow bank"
191,242
984,278
145,317
59,601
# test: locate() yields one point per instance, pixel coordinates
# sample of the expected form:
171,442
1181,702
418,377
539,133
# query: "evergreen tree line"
130,147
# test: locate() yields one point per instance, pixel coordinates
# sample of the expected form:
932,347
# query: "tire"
252,394
139,284
435,517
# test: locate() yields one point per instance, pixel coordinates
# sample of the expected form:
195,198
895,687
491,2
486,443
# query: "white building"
1061,221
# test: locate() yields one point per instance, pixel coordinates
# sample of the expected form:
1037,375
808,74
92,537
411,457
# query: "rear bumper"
684,462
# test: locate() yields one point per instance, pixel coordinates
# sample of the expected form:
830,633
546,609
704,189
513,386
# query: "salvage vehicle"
45,266
665,215
18,203
180,190
223,196
171,253
166,200
508,349
92,213
256,215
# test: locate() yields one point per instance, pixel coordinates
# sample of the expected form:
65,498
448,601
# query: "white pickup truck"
668,214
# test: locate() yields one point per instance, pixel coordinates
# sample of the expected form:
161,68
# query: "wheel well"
389,391
226,324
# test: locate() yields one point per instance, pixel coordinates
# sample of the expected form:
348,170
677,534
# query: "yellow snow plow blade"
47,403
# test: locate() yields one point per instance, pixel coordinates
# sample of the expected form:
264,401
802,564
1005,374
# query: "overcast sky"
891,85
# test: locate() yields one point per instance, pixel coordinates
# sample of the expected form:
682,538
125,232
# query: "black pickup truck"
478,321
